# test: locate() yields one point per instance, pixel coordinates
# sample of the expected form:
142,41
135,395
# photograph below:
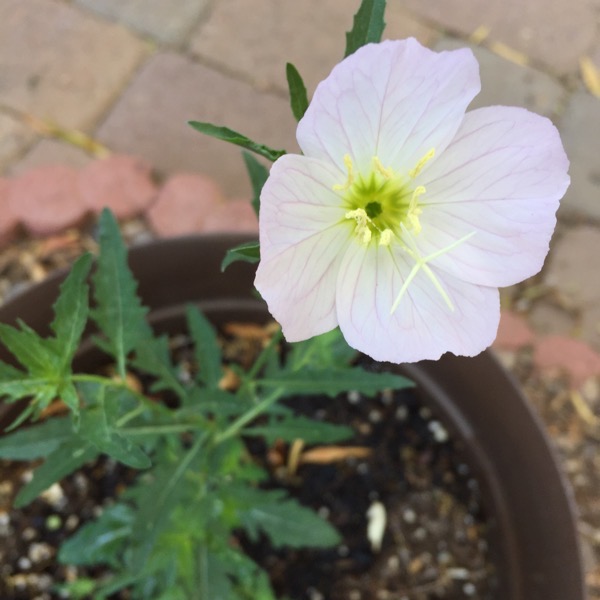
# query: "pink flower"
405,214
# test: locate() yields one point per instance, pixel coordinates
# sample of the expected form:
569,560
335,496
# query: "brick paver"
554,33
151,120
48,152
184,204
310,34
47,200
122,183
60,64
580,128
509,84
167,21
14,139
572,274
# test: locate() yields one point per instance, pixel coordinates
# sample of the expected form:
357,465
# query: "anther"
362,229
350,179
422,162
387,173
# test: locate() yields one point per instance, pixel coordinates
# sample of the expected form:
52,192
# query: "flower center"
381,201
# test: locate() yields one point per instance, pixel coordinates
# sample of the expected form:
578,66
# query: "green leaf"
285,521
368,25
98,426
213,402
100,541
61,462
308,430
326,350
246,252
258,175
298,97
228,135
118,313
71,310
39,356
206,348
332,381
36,441
152,355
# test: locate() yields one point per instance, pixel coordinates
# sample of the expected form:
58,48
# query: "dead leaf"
328,454
590,75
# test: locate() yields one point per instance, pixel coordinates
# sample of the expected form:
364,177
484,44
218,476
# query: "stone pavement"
84,79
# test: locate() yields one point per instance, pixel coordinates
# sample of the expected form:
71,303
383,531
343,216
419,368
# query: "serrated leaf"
258,174
61,462
246,252
98,427
100,541
206,348
298,97
367,27
326,350
213,402
119,313
39,356
233,137
71,310
332,381
36,441
153,356
308,430
285,521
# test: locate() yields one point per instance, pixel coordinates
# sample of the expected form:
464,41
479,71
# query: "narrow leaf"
286,521
334,381
298,97
368,25
64,460
258,174
247,252
37,441
71,310
233,137
100,541
119,313
206,348
308,430
152,356
37,355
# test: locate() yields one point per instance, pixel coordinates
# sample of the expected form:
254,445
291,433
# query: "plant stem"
244,419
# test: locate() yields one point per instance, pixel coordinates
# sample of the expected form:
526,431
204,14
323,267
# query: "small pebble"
440,435
362,468
409,515
420,534
39,552
375,416
469,589
425,412
401,413
343,550
324,512
54,496
53,522
314,594
28,534
353,397
71,522
24,563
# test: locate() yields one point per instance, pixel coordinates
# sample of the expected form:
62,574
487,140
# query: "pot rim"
529,493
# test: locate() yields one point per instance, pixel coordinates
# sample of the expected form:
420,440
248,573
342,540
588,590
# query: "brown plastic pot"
534,534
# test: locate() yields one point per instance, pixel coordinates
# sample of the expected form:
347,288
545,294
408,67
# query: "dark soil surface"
408,470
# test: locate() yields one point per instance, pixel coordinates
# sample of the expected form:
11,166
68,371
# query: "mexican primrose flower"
405,214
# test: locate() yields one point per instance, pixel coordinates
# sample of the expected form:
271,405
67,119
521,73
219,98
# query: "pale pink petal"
303,235
501,177
395,100
423,326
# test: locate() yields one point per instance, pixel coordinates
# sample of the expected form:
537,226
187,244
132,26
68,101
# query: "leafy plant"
169,535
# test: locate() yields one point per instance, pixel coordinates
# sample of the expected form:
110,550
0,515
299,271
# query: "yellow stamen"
387,173
362,224
350,168
414,211
385,239
421,263
419,167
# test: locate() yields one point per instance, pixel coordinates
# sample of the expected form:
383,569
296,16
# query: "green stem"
244,419
157,429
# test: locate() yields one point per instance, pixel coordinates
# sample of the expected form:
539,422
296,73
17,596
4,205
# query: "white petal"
423,326
395,100
303,235
501,177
